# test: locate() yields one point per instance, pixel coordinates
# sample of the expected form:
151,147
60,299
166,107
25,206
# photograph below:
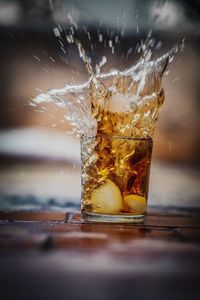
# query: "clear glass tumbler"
115,178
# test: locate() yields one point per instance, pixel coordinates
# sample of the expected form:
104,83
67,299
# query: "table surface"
54,255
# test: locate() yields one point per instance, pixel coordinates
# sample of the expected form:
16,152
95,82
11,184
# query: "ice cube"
119,103
136,204
107,198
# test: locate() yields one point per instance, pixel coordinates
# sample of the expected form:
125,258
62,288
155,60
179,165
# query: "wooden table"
53,255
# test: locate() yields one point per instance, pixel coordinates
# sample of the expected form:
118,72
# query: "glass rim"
118,137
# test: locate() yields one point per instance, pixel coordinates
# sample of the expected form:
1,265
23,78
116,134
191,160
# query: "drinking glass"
115,178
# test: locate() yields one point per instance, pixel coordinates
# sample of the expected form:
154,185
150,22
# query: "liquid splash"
104,110
116,103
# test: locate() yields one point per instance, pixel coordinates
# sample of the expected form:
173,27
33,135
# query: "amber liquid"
116,161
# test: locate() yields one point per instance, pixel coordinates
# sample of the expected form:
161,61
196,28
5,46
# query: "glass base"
106,218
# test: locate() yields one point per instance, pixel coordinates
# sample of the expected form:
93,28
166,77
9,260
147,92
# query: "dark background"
36,155
45,251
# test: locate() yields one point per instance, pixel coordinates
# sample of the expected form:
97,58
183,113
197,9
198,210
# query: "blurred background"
39,159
